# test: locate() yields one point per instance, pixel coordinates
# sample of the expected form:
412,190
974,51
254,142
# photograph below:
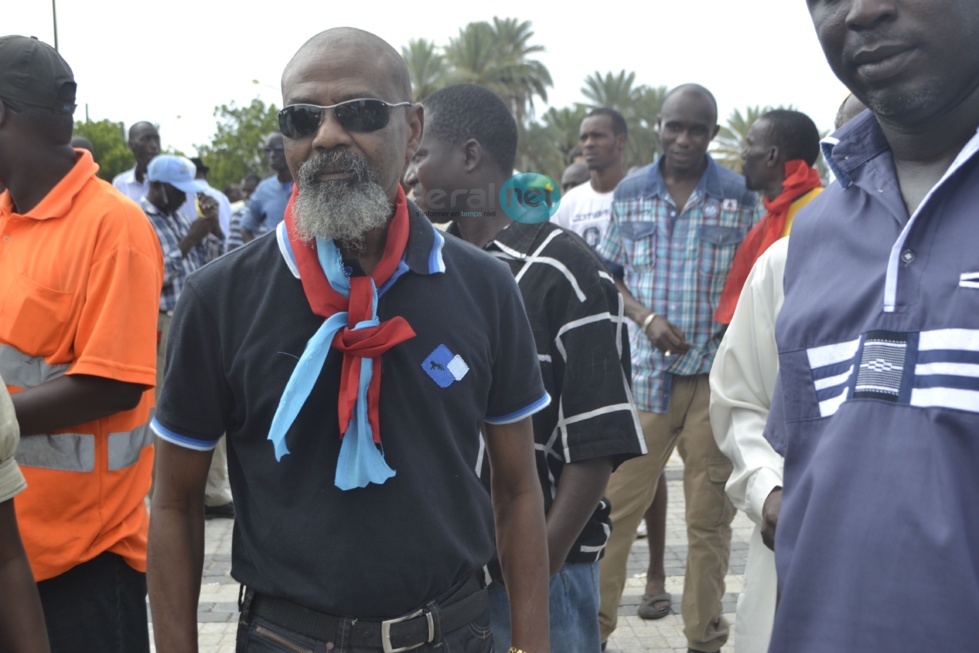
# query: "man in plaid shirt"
188,243
674,229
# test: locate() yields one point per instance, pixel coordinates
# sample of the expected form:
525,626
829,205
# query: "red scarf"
363,343
800,178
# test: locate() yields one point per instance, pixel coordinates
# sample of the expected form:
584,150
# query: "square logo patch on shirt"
444,367
881,366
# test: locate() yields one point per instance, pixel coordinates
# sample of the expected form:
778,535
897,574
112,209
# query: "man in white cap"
188,242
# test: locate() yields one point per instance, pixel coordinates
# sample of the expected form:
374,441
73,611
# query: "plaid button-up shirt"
171,229
675,263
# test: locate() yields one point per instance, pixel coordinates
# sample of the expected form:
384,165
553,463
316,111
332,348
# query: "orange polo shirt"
80,279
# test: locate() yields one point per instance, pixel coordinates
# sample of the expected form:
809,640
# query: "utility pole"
54,18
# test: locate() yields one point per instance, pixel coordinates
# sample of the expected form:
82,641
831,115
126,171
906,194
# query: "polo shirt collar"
853,145
423,251
129,176
517,236
710,180
57,203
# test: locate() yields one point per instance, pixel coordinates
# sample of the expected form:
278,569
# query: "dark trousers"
258,635
97,607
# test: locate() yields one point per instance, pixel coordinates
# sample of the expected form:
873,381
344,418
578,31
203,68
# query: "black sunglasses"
364,115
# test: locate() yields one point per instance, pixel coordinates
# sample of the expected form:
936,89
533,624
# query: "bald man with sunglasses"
361,525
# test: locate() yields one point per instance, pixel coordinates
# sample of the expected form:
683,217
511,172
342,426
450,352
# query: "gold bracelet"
514,649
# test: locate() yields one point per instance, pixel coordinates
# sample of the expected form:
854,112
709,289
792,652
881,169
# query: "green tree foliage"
111,151
639,105
497,56
237,144
642,117
546,144
427,67
614,91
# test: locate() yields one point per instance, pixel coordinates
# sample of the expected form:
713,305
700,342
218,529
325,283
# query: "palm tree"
538,151
644,145
523,76
427,67
613,91
564,125
639,105
496,56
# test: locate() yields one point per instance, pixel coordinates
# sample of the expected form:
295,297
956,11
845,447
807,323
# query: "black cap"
34,73
199,164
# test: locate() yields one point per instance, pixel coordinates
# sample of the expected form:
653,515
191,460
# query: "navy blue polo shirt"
877,411
380,551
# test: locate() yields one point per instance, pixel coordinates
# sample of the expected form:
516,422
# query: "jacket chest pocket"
35,316
639,241
716,247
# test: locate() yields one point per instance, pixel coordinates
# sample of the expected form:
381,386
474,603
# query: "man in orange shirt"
80,284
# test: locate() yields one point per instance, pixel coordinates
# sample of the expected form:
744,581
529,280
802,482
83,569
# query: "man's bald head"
138,127
348,173
144,141
692,90
355,39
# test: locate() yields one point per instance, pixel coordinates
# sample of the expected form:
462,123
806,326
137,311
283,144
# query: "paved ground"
217,613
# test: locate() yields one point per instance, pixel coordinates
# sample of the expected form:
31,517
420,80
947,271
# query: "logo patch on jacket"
969,280
444,367
935,368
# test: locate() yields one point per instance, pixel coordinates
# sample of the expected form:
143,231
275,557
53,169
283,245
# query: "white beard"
344,210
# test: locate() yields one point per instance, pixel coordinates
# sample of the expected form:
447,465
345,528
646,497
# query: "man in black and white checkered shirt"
576,315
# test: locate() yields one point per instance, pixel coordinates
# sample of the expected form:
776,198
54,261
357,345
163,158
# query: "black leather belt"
403,633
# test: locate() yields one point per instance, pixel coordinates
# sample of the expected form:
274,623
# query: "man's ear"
416,128
717,130
773,157
620,142
473,153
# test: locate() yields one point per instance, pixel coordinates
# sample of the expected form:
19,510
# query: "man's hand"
579,491
666,337
769,516
202,226
22,619
210,211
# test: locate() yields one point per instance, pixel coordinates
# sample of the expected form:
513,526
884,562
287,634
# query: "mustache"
331,161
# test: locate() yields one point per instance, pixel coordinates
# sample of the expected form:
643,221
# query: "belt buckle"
386,631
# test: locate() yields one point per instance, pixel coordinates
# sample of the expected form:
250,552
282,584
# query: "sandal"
648,608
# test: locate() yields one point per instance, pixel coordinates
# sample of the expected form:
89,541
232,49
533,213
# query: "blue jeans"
574,604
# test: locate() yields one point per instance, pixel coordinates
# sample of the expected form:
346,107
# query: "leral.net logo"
530,197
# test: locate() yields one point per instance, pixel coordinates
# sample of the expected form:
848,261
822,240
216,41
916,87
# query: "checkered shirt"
171,229
675,263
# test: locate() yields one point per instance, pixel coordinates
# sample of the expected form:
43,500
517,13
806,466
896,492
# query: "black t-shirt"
240,326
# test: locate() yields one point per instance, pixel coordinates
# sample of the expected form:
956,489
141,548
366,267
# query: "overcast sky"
172,63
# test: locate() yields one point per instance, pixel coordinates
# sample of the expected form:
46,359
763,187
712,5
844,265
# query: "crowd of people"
161,340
